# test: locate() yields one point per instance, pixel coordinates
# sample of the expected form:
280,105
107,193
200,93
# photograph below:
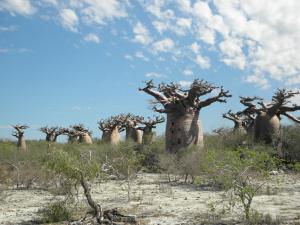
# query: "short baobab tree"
131,125
19,134
183,107
111,129
73,135
149,125
84,134
51,133
240,124
267,121
250,112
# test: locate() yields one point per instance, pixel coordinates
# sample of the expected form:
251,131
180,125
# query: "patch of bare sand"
159,202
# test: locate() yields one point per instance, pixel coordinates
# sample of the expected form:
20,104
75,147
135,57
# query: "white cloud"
188,72
296,98
207,35
165,45
182,26
99,11
142,35
140,55
232,53
22,7
15,50
92,38
8,29
154,75
69,19
129,57
258,80
202,61
185,83
160,26
195,47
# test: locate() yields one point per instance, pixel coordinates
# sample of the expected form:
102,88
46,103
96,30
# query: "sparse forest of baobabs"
154,112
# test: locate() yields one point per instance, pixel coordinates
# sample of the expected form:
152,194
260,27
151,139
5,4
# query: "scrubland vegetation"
230,163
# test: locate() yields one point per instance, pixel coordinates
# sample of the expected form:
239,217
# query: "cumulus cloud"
69,19
202,61
142,34
22,7
92,38
258,80
98,12
165,45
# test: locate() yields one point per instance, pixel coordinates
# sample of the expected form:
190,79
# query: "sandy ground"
158,202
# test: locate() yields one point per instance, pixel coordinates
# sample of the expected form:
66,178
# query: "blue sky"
77,61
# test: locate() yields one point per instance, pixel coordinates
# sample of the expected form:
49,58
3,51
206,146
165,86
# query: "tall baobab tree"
19,134
111,129
149,125
183,108
51,133
267,121
238,120
85,135
131,125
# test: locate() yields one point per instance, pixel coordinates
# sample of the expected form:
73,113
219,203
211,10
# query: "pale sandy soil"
158,202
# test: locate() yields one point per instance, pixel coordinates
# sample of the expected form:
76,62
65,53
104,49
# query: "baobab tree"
111,129
238,120
19,134
51,133
149,125
183,107
268,115
250,112
131,125
73,135
84,134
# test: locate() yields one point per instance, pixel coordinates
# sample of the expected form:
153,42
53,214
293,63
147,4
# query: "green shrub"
56,212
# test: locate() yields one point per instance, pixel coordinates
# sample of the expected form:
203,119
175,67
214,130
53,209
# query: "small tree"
19,134
85,135
111,128
149,125
240,125
126,163
51,133
131,126
81,170
243,172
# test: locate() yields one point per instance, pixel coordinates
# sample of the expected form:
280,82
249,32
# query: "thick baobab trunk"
183,131
266,128
86,138
148,136
72,139
115,137
22,144
134,134
239,129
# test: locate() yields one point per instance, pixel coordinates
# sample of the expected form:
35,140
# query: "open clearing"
156,201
